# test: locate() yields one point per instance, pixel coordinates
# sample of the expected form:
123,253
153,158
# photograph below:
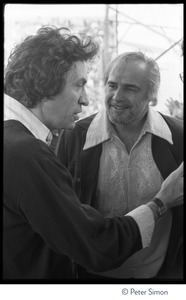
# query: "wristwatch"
161,206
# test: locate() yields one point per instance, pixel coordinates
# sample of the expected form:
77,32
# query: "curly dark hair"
37,67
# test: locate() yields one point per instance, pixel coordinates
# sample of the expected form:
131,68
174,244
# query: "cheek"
108,97
141,106
73,98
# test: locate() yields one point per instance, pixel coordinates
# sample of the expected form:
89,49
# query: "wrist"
158,208
161,205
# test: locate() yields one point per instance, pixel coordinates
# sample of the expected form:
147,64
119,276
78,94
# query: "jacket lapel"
163,156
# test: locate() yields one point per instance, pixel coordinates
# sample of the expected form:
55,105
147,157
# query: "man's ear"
153,101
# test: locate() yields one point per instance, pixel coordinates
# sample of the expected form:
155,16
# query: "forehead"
129,72
78,71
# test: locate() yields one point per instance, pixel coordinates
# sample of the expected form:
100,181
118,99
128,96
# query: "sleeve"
50,206
146,225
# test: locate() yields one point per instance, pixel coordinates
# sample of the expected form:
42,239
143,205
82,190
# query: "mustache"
120,104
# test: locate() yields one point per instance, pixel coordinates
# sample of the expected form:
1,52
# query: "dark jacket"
45,227
84,166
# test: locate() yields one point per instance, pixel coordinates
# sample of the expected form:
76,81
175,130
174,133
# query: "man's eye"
132,89
112,85
81,84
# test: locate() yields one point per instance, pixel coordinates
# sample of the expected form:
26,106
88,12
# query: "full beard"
120,117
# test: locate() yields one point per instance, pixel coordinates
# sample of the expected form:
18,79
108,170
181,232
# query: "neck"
38,112
129,133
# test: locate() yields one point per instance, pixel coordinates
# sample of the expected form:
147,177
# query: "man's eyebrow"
111,81
131,85
127,85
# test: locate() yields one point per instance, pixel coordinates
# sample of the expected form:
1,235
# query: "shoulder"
20,144
176,128
25,156
173,123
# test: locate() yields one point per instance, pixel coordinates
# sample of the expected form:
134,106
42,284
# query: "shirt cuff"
145,219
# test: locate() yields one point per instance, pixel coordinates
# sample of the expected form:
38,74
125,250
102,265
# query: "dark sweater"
45,228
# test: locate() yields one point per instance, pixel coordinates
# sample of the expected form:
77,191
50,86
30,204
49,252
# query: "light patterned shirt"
128,180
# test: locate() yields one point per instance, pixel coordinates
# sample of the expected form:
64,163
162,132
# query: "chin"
70,126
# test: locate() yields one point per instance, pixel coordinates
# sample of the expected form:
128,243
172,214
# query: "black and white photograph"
93,151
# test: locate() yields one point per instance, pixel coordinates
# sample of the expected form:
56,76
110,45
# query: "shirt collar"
14,110
100,130
155,124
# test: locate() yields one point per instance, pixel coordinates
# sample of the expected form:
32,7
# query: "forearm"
146,216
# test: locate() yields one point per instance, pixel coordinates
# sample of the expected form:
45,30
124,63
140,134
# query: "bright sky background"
25,11
164,20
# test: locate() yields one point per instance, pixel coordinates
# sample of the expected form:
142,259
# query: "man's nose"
84,99
118,95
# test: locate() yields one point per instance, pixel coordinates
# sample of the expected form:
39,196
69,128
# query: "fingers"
180,169
179,200
172,188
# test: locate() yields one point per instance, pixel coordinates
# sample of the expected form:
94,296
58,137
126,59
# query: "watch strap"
161,206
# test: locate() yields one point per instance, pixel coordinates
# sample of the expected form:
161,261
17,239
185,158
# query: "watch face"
162,210
162,207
